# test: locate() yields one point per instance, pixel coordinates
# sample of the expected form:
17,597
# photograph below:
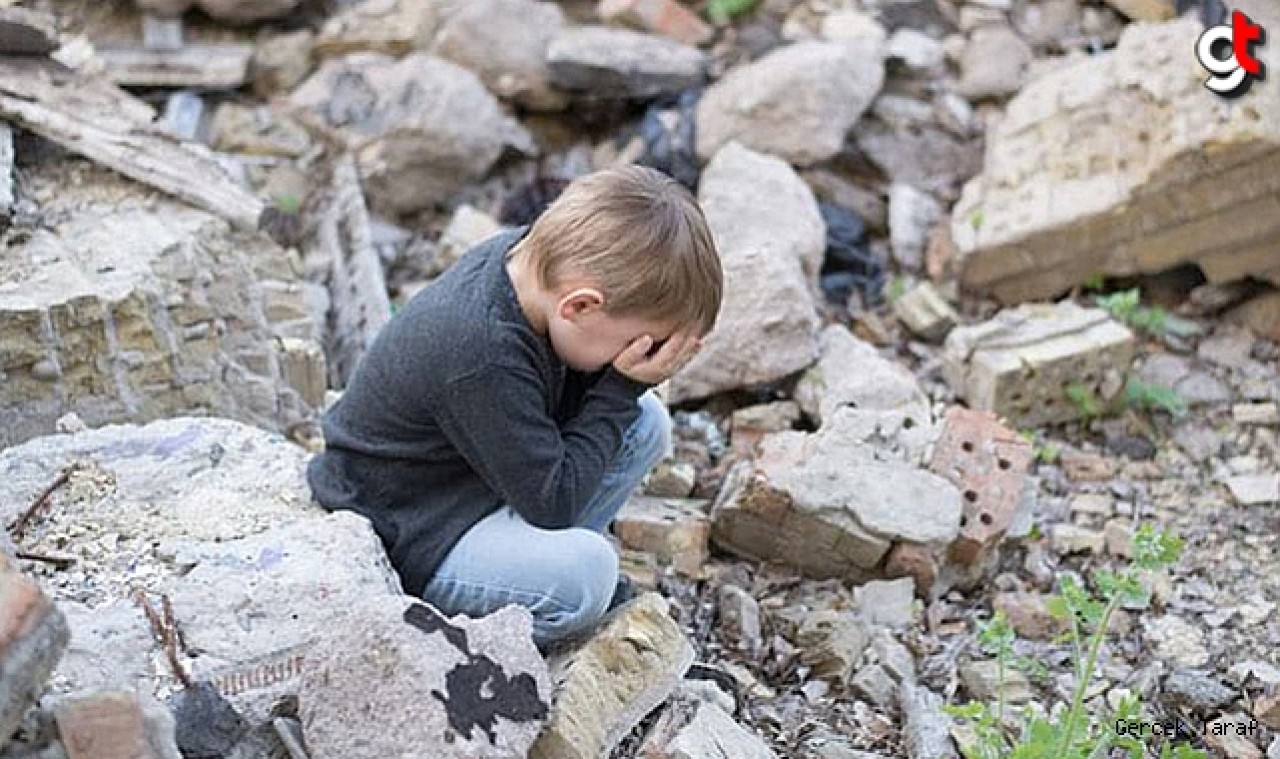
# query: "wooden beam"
105,125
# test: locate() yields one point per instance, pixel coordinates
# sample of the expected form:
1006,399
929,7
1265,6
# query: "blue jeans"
565,578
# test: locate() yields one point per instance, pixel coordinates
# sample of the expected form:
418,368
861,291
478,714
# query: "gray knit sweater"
459,407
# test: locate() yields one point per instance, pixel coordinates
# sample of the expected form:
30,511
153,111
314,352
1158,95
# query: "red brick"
33,635
103,726
665,17
988,462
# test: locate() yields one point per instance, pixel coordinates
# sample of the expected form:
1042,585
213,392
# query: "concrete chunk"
24,31
850,372
828,504
1021,363
607,685
925,313
609,63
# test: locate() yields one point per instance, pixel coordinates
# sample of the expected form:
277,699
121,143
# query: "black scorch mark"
477,691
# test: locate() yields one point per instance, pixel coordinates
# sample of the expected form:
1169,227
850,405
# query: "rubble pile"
1000,288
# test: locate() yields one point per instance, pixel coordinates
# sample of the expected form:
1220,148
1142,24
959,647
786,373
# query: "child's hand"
636,363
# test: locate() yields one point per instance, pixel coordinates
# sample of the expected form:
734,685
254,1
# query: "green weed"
724,11
1071,731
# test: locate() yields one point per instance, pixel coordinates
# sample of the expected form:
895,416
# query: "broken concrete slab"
217,516
607,63
26,31
201,67
397,674
1021,363
122,312
420,127
850,373
797,102
829,504
608,684
988,462
770,237
33,636
1138,194
673,530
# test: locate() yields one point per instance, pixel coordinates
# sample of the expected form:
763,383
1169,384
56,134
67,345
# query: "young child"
501,419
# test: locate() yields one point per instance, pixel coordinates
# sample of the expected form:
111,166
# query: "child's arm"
497,419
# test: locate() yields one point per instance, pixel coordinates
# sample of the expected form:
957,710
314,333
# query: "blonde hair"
640,237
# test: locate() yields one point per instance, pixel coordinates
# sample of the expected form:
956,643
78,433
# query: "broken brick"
665,17
988,462
673,530
915,561
33,635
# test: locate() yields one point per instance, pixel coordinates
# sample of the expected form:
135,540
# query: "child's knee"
584,583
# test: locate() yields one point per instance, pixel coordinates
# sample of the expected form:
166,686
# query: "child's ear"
579,302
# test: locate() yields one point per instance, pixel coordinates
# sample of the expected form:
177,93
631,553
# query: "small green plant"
1047,453
1086,401
724,11
1148,397
289,204
896,289
1070,731
1095,282
1126,306
975,220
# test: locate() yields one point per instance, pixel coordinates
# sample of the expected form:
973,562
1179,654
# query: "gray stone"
1070,538
609,64
1177,640
390,27
771,239
740,618
829,504
396,678
608,684
145,309
1179,374
860,30
850,373
421,127
887,602
982,680
281,62
1021,363
672,479
505,43
1229,348
924,311
247,11
713,734
912,214
994,64
1254,489
916,50
797,102
24,31
467,227
33,636
926,728
1199,690
832,643
874,684
894,657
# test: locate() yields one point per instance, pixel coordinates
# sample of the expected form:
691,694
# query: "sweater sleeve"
497,420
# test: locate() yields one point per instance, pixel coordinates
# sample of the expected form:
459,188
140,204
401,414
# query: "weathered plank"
110,127
342,244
